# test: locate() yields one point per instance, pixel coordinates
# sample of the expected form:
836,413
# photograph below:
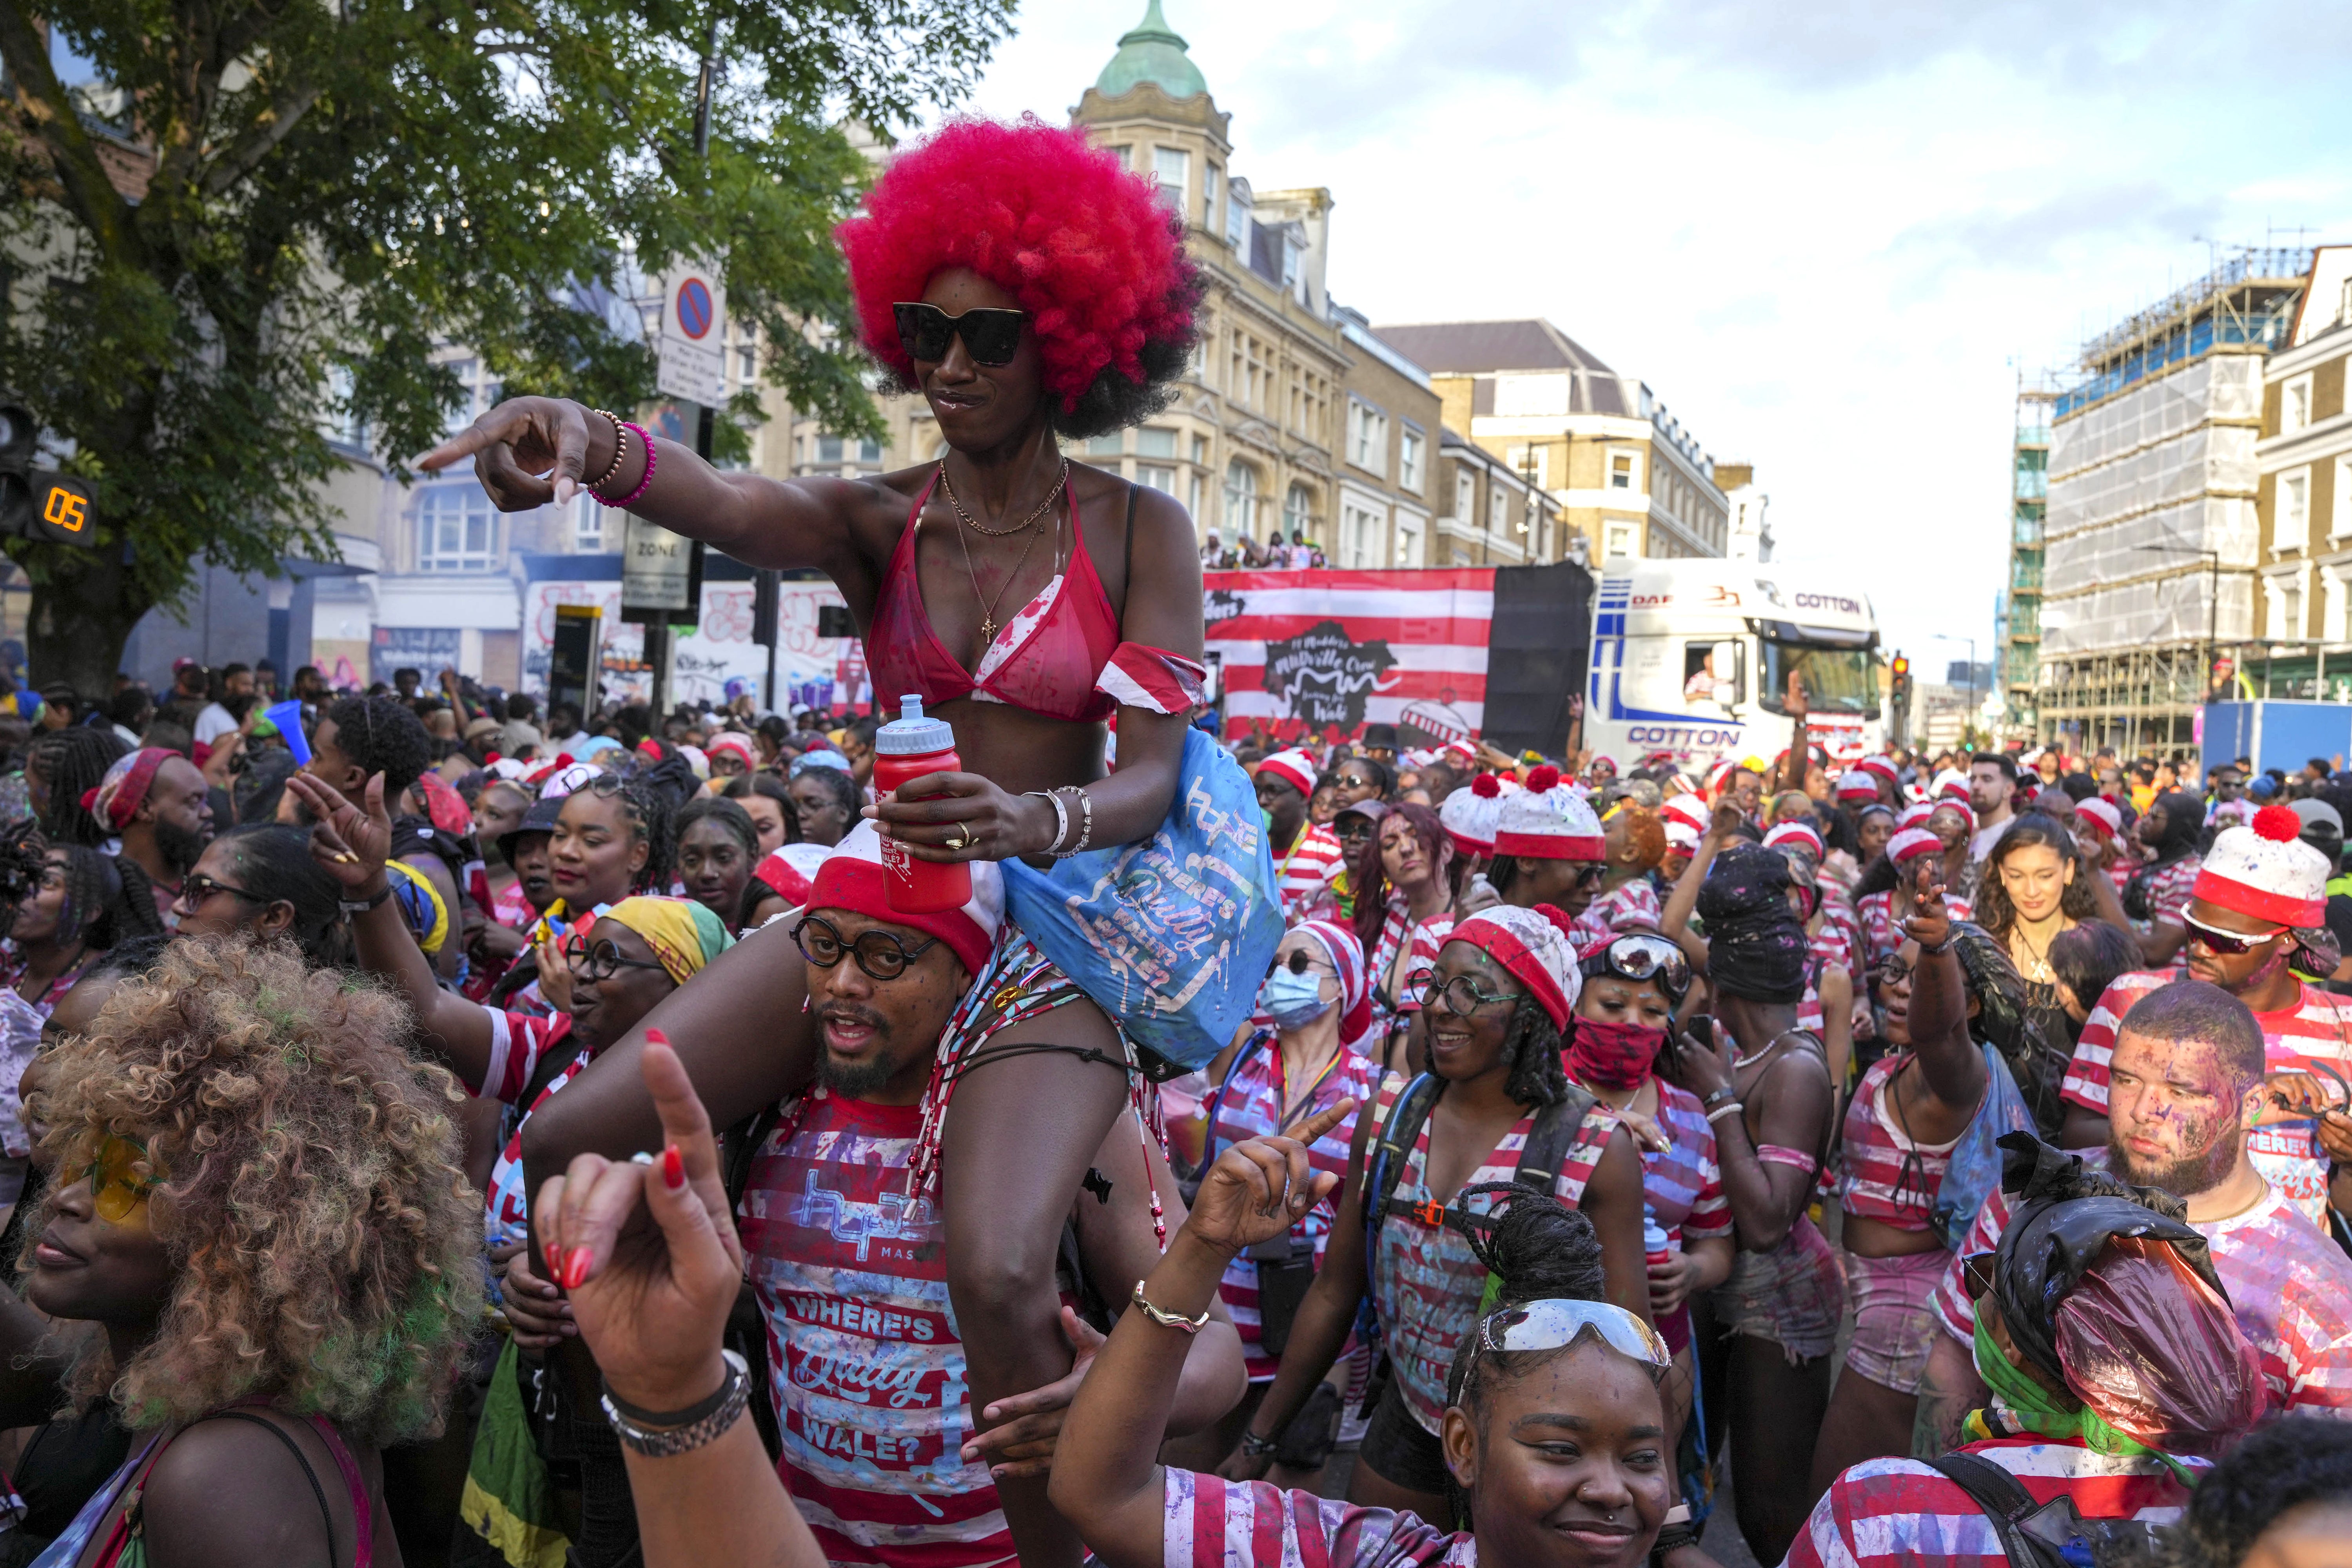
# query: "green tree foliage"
253,230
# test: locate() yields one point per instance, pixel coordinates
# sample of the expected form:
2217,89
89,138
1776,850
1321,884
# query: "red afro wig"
1088,249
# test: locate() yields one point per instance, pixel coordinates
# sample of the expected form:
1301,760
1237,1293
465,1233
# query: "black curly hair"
102,907
72,763
653,818
2284,1464
1115,401
383,735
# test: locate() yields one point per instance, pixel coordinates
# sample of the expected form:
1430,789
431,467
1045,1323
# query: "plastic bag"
1171,935
2156,1351
1975,1171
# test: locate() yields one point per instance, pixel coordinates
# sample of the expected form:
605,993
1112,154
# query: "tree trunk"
82,617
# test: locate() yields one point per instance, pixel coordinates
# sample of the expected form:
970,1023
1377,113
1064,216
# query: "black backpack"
2036,1535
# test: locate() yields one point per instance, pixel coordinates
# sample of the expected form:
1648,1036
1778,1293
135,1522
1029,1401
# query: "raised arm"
1108,1481
352,845
1949,1061
1766,1196
536,451
1683,900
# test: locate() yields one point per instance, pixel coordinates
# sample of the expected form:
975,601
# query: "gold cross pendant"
987,631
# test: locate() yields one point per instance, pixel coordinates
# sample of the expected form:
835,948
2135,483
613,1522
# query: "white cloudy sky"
1826,234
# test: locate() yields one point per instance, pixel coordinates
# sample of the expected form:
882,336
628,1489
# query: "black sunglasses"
1298,962
993,336
198,887
880,954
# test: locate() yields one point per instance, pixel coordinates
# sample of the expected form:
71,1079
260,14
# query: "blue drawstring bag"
1171,935
1975,1171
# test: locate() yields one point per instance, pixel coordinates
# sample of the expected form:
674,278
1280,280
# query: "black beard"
180,846
2181,1178
854,1081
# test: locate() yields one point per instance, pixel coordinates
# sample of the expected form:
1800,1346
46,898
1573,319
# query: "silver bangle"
1061,818
1087,823
1728,1108
664,1442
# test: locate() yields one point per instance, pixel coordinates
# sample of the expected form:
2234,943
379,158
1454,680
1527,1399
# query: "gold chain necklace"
966,518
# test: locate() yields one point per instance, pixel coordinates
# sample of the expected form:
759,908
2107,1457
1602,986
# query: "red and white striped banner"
1326,652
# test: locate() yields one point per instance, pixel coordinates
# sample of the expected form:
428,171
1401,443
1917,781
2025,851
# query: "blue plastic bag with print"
1173,934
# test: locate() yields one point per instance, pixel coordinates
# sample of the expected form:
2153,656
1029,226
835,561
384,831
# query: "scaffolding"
2017,634
2148,535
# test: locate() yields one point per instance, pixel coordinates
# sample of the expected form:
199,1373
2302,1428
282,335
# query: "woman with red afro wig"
1028,289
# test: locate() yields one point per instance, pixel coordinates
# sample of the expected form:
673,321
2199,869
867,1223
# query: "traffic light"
1899,691
39,503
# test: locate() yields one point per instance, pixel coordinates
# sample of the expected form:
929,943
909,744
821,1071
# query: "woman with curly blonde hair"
258,1200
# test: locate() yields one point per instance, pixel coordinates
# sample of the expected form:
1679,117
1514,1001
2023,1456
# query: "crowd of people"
440,1130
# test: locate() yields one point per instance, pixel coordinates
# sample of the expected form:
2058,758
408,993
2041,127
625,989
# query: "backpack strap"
1391,1149
1552,1138
2005,1501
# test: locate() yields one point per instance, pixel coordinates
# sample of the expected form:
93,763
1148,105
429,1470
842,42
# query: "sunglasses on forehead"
991,336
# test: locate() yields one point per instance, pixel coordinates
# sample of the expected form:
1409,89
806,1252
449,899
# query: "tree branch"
88,192
246,153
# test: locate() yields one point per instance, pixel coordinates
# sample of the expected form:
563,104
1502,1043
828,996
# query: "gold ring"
963,838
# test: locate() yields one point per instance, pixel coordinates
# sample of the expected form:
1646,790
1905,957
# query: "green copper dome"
1151,53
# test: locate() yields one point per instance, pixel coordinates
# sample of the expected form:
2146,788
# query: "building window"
1621,471
2342,522
1360,531
1126,156
456,529
834,449
2295,405
1173,167
1621,539
1154,477
1533,464
1192,497
1408,445
1237,219
2294,532
1201,449
1466,493
1498,510
1298,509
1240,499
1368,436
1409,541
1105,445
1155,441
588,525
1208,196
2290,608
479,392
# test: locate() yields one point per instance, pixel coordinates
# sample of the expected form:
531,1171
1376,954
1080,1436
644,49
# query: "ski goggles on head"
2226,943
992,336
1556,1323
1643,958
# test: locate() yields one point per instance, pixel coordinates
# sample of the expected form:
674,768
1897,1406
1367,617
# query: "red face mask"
1610,1054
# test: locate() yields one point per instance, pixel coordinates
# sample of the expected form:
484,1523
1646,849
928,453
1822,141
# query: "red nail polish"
555,1258
673,1167
656,1037
575,1271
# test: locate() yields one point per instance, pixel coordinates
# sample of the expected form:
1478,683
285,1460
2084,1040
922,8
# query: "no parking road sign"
691,362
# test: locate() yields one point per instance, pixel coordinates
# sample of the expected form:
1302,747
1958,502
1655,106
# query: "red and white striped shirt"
864,1361
1886,1175
1900,1513
2316,1028
2169,891
1683,1182
1215,1523
518,1043
2289,1285
1303,877
1426,1282
1252,1106
1420,940
1630,906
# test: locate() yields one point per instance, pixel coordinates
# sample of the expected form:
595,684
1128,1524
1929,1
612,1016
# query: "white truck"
1691,659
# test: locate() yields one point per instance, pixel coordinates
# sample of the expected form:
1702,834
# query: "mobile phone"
1701,1027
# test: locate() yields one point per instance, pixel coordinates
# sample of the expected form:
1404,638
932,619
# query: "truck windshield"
1837,679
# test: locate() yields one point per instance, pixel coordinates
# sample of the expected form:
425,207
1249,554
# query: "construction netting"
2141,487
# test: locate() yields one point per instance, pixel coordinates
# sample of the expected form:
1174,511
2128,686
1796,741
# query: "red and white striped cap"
1883,767
1913,842
1951,785
1469,814
2101,813
791,869
1533,945
1552,823
852,878
1857,785
1682,836
1294,767
1689,810
2266,871
1915,814
1801,833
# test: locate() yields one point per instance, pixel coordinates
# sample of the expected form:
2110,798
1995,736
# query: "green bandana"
2034,1408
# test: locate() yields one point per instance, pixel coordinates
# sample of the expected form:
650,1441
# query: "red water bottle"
908,747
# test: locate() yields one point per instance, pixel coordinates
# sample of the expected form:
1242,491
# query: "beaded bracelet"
643,484
1086,828
1728,1108
620,451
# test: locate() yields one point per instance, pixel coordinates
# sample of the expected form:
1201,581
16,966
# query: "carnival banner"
1326,652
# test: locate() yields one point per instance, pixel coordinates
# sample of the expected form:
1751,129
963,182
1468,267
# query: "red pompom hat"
1468,815
2266,871
1552,823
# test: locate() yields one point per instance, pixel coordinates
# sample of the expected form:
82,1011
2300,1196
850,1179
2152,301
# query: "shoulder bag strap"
1552,1138
309,1475
2005,1501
